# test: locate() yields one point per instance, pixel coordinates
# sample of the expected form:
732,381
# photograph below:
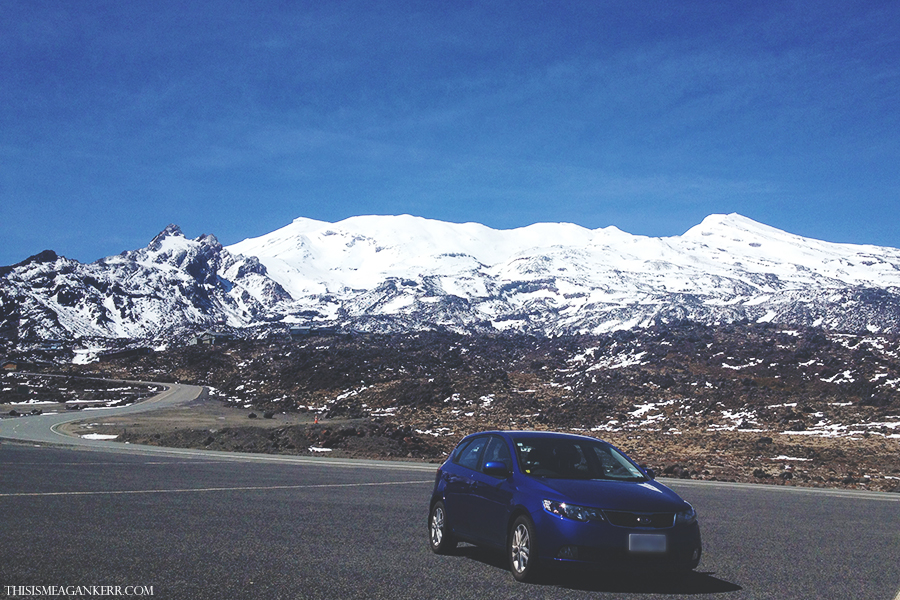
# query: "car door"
491,496
459,477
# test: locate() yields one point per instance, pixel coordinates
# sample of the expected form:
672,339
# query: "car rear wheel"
521,549
439,537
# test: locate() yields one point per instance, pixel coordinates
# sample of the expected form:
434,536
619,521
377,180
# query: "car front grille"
642,520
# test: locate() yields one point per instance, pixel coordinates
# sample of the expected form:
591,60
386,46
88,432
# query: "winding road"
43,428
200,524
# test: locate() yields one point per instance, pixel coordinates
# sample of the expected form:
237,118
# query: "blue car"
552,498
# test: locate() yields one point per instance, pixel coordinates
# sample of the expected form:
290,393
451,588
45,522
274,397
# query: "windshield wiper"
613,478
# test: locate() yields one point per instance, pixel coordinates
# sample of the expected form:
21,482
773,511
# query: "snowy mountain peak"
719,224
208,239
170,231
172,285
739,229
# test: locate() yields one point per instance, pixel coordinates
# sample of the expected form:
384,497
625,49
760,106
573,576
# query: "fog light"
568,552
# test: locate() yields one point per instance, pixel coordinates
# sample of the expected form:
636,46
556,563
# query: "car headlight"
572,511
686,517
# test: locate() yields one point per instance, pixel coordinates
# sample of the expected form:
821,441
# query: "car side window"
498,451
470,455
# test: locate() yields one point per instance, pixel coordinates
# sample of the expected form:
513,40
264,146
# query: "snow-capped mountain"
173,285
378,271
394,273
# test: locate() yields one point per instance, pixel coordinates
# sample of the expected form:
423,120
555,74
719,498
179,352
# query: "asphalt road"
43,428
210,526
199,524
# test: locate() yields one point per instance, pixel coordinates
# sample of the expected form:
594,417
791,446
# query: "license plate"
646,542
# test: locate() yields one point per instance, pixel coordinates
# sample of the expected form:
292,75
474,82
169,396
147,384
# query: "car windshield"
574,458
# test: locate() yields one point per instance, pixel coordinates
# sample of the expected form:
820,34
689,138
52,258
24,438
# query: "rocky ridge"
173,286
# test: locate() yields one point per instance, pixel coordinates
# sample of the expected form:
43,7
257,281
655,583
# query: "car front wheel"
521,549
439,537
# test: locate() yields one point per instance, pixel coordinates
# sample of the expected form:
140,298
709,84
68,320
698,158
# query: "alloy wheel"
437,526
521,548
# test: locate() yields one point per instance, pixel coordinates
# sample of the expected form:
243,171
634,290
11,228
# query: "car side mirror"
650,473
495,469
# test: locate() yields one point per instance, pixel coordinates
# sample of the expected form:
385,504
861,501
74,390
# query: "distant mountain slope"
396,273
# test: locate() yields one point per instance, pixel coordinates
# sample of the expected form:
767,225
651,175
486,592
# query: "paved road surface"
200,524
210,526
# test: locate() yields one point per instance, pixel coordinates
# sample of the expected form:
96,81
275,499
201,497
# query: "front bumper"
563,540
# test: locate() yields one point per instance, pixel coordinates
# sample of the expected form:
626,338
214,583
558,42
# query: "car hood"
646,496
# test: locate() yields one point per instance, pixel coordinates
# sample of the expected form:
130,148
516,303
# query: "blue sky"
233,118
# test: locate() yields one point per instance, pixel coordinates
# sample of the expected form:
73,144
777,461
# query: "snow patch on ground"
99,436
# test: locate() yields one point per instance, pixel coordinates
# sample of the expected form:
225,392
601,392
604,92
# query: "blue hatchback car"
553,498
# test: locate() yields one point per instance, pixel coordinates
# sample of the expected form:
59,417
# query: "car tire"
439,537
521,549
689,568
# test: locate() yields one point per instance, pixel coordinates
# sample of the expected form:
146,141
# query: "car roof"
532,434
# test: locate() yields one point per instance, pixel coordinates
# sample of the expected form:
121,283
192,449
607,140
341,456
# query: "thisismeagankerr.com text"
78,590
